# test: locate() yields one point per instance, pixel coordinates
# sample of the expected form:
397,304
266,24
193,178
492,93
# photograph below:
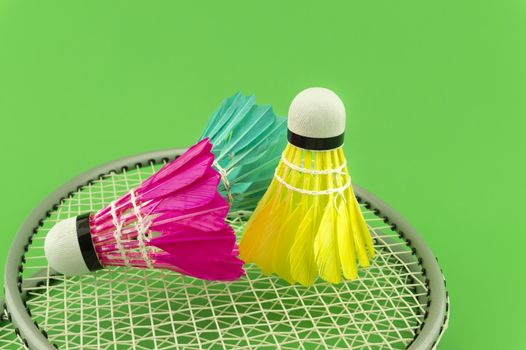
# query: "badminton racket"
400,302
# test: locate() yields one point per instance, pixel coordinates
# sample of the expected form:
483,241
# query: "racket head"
400,302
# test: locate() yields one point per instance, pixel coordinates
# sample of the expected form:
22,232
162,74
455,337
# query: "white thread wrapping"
224,178
141,230
117,234
338,170
338,190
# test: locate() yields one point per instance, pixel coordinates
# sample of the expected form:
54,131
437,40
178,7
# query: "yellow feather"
298,235
346,248
281,260
360,233
261,238
249,244
302,266
301,256
286,233
257,231
325,242
359,244
364,230
325,247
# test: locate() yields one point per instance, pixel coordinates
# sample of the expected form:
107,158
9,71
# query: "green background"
435,93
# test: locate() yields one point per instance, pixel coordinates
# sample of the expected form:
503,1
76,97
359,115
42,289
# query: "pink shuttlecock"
174,220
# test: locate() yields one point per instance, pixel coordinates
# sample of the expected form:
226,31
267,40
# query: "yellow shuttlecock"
308,223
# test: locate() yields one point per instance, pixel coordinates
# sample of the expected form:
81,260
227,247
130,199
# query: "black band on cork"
315,144
86,244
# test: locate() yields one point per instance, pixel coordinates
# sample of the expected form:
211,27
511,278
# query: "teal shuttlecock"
247,140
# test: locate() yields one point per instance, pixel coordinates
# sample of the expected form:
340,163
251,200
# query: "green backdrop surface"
435,93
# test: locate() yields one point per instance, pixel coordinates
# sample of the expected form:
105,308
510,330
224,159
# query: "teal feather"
247,140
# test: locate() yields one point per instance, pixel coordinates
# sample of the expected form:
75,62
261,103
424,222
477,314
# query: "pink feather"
183,222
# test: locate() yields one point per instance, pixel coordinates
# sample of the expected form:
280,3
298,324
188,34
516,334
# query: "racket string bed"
155,309
9,336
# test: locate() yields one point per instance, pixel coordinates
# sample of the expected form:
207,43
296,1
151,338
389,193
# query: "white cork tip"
62,249
318,113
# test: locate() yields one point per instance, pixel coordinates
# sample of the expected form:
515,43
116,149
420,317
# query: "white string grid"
8,338
128,308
